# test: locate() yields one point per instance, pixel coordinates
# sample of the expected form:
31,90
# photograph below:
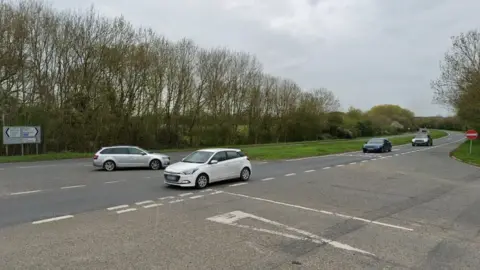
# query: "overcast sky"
366,51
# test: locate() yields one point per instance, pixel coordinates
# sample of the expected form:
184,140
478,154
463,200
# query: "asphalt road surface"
413,208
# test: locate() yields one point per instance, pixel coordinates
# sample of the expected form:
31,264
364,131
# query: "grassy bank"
271,152
462,152
256,152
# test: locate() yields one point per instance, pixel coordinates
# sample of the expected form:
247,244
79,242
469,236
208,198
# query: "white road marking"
318,211
117,207
363,161
396,155
70,187
1,169
196,197
326,168
36,166
238,184
144,202
165,198
340,165
25,192
309,171
290,174
147,177
126,210
113,182
373,159
352,163
176,201
152,205
206,190
216,192
52,219
267,179
232,218
185,194
261,163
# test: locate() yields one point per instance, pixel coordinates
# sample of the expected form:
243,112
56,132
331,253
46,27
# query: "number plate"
171,177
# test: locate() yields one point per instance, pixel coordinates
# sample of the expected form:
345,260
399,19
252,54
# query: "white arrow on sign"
231,219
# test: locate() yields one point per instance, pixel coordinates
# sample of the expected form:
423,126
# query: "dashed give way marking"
232,218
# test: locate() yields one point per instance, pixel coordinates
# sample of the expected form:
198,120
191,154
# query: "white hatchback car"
206,166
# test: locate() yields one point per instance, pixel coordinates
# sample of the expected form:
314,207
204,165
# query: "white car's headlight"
192,171
413,140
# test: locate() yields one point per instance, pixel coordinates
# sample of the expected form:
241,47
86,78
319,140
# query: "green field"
462,152
255,152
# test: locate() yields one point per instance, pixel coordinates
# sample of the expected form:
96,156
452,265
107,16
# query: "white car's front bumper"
181,180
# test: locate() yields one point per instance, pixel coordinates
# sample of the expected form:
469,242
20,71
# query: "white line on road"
236,185
373,159
25,192
152,205
340,165
185,194
126,210
290,174
352,163
1,169
216,192
206,190
116,181
196,197
166,198
52,219
363,161
35,166
70,187
144,202
396,155
117,207
261,163
147,177
319,211
267,179
309,171
326,168
176,201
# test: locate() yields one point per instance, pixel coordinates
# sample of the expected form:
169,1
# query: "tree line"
91,81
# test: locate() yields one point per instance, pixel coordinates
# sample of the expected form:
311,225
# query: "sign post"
471,135
22,135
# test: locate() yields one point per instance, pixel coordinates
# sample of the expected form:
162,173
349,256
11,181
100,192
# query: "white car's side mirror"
213,162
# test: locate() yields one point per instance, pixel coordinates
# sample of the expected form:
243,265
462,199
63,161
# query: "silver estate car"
112,157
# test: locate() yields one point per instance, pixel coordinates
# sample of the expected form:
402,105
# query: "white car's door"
218,171
234,164
139,158
121,156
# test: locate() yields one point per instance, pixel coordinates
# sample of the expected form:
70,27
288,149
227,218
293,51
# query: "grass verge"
319,149
462,152
255,152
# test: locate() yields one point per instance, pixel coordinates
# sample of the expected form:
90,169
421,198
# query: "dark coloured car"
422,139
379,145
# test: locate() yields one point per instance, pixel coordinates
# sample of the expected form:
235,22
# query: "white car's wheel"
109,165
155,164
245,174
202,181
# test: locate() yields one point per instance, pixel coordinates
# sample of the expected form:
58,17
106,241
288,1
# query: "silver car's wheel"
155,164
109,166
245,174
202,181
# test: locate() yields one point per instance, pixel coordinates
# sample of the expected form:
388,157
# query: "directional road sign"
22,134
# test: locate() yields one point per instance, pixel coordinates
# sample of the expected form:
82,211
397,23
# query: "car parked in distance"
113,157
422,139
379,145
207,166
